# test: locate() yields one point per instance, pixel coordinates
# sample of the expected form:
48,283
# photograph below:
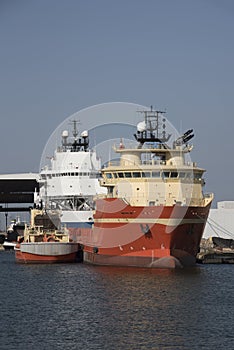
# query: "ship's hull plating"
76,233
156,236
46,252
77,221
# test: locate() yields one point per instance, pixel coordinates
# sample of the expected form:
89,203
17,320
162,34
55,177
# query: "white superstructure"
71,181
220,222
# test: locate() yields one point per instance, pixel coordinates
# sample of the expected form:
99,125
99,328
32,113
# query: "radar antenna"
184,138
150,129
75,131
80,143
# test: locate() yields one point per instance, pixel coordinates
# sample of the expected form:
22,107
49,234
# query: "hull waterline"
46,253
151,237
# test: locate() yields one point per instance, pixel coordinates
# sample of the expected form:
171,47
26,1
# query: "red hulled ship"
155,211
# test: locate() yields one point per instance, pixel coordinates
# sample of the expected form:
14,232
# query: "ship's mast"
150,129
80,143
75,131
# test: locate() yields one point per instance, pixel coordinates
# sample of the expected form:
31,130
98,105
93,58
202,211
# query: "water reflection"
74,306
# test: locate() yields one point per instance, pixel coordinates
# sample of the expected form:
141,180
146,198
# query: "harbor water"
78,306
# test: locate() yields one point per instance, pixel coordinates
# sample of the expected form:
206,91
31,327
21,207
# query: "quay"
216,257
216,250
17,193
17,189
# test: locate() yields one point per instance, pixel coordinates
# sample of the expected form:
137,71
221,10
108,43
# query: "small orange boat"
43,245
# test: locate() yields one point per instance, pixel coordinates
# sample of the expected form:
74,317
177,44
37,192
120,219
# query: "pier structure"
17,192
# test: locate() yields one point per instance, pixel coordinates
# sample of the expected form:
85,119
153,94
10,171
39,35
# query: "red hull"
154,236
27,258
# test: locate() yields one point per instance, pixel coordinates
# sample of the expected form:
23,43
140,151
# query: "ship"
45,243
155,211
70,182
14,230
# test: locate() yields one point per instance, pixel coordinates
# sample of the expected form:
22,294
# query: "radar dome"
84,133
141,126
65,133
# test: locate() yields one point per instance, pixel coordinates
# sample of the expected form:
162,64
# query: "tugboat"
44,243
70,182
155,211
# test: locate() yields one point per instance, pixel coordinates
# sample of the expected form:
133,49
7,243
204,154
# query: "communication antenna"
152,129
75,131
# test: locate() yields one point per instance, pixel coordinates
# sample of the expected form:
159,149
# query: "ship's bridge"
160,155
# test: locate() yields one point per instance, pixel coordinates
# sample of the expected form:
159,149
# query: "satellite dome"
141,126
84,133
65,133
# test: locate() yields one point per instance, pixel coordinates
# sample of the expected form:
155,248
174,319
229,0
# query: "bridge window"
189,175
166,174
136,174
128,174
155,173
109,175
174,174
197,176
121,175
146,174
182,175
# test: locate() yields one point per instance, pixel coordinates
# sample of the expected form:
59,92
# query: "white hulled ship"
70,182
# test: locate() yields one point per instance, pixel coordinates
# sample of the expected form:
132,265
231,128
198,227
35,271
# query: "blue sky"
58,57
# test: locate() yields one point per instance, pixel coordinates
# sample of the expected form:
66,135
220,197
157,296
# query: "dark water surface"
75,306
